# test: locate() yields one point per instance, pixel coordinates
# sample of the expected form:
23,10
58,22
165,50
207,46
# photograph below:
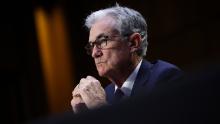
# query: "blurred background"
42,47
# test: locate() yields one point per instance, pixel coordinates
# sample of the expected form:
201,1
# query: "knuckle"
88,76
82,80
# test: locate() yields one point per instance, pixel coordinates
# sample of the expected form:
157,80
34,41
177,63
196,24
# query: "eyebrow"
98,37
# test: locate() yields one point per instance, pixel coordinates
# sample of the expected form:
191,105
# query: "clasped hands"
89,93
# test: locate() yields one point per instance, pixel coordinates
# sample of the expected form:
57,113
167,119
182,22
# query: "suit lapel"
109,90
139,84
142,78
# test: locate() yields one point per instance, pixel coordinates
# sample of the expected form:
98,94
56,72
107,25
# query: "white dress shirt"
127,86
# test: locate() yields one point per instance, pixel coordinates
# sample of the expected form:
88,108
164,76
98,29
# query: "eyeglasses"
100,43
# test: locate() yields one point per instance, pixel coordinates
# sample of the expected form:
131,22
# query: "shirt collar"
128,84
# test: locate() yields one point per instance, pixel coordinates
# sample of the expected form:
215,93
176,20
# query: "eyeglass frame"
99,43
107,38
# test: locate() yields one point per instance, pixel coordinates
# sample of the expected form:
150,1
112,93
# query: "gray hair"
127,20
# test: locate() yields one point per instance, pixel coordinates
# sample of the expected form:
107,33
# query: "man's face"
113,57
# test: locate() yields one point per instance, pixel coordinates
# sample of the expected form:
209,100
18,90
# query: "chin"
101,74
103,71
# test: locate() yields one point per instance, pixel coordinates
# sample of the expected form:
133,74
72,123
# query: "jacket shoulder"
163,65
165,71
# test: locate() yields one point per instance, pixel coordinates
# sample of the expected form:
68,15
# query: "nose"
96,52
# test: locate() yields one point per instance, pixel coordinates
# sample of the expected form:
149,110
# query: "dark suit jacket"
191,100
149,76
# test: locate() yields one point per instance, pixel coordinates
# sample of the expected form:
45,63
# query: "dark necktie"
118,95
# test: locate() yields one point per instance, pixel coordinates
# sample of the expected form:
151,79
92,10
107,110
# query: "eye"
102,42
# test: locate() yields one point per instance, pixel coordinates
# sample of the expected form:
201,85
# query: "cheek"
113,58
118,58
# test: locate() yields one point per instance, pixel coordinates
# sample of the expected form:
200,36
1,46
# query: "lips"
99,63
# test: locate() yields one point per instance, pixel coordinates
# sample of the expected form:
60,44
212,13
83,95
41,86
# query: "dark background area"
183,32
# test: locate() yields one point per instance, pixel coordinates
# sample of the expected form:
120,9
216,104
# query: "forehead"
103,26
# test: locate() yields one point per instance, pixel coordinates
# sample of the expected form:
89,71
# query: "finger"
91,77
76,99
82,83
87,85
93,96
76,90
75,102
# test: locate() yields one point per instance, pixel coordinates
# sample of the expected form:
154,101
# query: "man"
118,44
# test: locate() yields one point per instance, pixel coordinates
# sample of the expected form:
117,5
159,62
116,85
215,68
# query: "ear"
134,42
